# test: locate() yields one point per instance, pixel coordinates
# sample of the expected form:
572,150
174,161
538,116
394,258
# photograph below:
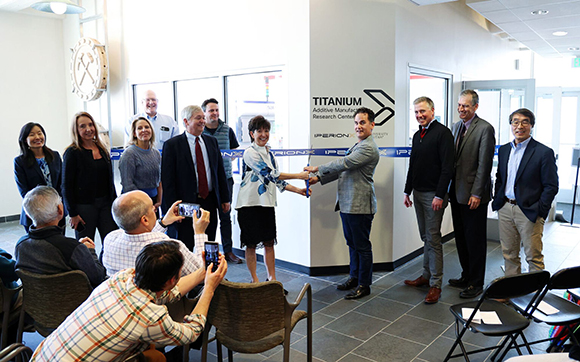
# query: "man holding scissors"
356,200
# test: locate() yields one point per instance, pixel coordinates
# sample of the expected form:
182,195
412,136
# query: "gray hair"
426,100
188,111
473,94
41,205
127,211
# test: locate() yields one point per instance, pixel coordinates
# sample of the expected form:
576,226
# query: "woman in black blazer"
87,185
36,165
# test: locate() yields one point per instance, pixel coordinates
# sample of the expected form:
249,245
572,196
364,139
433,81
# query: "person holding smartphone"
257,197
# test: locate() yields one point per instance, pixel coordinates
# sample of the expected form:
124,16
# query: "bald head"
128,210
149,102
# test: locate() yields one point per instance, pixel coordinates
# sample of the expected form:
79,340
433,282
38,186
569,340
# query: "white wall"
33,74
352,49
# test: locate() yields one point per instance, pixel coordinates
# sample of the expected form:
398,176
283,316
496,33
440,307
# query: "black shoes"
470,292
459,283
359,292
348,285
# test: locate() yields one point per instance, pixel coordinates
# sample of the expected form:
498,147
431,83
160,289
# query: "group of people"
454,166
148,260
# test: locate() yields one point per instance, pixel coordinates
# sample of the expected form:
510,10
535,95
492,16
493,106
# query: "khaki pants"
516,230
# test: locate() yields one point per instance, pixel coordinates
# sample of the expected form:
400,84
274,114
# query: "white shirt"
121,249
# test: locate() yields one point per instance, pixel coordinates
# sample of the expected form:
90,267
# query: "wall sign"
89,70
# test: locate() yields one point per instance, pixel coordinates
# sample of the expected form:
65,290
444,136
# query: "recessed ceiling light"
573,49
560,33
540,12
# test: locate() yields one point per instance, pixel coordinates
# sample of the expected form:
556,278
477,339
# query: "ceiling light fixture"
540,12
573,49
560,33
58,7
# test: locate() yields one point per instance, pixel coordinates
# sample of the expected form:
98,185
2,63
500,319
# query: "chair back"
248,311
517,285
568,278
9,314
49,299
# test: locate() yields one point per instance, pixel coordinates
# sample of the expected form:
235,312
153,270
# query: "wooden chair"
255,317
49,299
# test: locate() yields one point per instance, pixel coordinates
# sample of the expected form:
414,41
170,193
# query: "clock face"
89,70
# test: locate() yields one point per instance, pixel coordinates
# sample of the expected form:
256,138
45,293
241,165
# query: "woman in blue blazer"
36,165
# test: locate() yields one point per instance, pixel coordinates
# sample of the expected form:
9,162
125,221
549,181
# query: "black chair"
49,299
10,313
568,315
512,322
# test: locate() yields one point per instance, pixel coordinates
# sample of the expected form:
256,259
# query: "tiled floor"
393,323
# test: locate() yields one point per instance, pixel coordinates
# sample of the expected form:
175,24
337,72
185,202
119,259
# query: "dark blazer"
473,161
536,182
178,173
28,178
79,178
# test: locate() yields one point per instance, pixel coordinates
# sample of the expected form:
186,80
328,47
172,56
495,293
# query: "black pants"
471,239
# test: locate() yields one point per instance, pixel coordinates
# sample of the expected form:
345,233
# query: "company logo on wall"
344,107
89,69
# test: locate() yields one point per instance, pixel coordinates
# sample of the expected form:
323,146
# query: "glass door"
557,117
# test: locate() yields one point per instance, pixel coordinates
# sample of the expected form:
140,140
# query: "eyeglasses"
517,122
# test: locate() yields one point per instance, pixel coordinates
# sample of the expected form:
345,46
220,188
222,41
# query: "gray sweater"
140,169
47,251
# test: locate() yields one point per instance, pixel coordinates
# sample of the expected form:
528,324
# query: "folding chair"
568,315
512,322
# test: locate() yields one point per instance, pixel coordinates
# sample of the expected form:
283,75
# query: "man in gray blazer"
470,193
356,200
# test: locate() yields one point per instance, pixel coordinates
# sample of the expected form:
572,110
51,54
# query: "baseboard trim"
342,269
9,218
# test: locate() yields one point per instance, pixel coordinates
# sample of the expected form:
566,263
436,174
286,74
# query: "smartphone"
187,209
212,253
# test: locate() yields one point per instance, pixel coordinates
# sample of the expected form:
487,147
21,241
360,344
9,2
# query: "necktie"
423,131
460,135
201,175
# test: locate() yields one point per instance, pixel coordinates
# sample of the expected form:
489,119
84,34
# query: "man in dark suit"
428,177
192,170
525,186
470,193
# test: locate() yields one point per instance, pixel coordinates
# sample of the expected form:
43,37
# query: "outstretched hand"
173,214
201,223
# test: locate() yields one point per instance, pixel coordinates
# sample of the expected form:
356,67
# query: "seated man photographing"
135,214
125,314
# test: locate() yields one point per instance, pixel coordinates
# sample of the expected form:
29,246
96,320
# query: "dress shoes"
470,292
419,282
359,292
459,283
348,285
233,258
433,295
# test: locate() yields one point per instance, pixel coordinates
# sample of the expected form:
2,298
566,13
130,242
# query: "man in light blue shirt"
525,186
164,126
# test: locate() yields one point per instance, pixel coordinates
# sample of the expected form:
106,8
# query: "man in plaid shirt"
125,314
135,214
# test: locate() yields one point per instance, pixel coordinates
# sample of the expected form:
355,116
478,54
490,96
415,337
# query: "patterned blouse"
259,178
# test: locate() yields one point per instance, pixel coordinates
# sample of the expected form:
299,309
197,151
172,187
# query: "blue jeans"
357,230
